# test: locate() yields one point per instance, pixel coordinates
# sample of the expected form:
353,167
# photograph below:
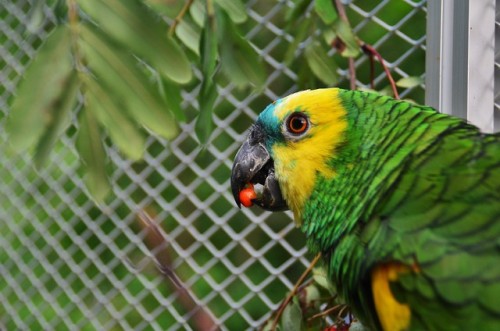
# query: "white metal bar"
460,59
481,63
443,65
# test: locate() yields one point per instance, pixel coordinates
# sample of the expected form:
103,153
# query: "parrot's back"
411,222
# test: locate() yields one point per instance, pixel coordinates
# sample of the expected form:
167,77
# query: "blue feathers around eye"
268,116
271,124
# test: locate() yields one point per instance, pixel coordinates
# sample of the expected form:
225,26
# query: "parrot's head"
289,148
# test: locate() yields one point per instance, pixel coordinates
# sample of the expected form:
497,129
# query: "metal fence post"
460,59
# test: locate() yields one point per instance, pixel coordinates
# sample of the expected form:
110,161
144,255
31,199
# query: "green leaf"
198,12
189,36
137,29
329,35
93,156
42,86
120,76
326,11
208,91
320,276
59,121
208,47
299,9
269,326
231,68
305,80
302,30
171,93
409,82
169,8
108,112
36,17
291,320
239,60
204,123
235,9
60,10
366,89
323,66
312,295
386,91
357,326
345,33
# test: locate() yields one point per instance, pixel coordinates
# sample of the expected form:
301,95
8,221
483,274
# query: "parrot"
401,201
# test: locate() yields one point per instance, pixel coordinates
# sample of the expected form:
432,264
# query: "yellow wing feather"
392,314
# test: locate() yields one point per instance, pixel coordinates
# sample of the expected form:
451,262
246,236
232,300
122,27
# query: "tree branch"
157,244
294,291
372,72
179,17
352,73
373,52
341,10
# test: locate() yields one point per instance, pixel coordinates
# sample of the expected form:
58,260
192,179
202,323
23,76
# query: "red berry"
247,195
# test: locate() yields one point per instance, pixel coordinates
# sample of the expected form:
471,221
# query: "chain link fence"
66,264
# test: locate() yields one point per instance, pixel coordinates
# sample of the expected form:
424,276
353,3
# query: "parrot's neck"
382,136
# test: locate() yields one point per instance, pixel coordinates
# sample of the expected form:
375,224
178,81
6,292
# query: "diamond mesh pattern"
66,264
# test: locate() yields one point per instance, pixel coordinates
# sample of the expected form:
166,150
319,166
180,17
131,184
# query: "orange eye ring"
297,124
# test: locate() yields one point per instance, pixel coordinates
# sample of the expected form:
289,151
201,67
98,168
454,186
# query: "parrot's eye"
297,124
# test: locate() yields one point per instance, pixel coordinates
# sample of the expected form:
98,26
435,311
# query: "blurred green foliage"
100,59
57,259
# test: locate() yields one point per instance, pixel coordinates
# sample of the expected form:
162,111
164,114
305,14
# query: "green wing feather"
415,187
445,214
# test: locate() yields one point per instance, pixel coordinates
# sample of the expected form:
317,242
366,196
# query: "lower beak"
254,165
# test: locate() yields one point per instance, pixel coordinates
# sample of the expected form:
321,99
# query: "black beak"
254,165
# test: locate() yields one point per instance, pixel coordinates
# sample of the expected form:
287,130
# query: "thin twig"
305,284
294,291
155,240
157,243
352,73
210,8
373,52
179,17
74,25
72,12
339,315
341,10
324,313
372,72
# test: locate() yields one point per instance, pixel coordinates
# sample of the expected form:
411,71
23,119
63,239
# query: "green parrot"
402,202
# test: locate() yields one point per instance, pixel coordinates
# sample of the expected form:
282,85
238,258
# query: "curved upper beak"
253,164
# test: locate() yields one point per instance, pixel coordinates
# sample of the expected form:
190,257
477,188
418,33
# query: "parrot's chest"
341,237
297,178
349,273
